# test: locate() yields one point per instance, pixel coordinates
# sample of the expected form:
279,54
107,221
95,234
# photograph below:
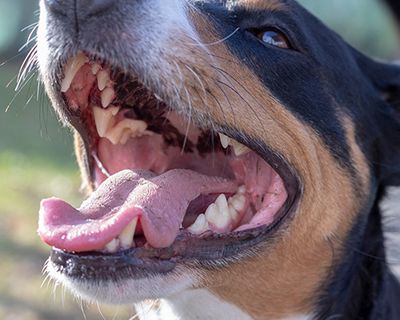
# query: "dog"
235,153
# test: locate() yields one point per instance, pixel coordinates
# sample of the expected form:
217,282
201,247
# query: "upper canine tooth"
71,69
225,141
103,79
107,96
239,149
126,236
103,119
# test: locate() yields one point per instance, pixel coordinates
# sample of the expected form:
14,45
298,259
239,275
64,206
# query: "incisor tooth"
103,119
71,69
112,246
199,226
96,68
126,237
107,96
225,141
103,79
239,149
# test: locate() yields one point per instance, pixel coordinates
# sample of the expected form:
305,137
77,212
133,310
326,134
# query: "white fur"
199,304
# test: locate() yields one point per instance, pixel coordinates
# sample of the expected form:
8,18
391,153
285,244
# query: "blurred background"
36,156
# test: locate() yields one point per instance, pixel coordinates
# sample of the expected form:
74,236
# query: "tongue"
160,203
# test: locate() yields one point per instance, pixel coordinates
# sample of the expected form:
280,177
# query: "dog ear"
385,78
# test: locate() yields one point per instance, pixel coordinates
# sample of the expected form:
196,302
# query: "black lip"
139,263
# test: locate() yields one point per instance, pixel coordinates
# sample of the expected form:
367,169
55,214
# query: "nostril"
93,7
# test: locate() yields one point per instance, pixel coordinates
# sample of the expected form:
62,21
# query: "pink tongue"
160,202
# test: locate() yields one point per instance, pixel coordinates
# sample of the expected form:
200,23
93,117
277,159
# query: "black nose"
79,9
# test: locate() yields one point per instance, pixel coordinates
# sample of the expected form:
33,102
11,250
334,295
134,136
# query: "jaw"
285,263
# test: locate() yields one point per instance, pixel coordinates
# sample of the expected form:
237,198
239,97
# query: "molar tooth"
199,226
238,202
126,237
239,149
107,96
219,219
71,69
225,141
221,203
112,246
103,119
233,213
103,79
241,190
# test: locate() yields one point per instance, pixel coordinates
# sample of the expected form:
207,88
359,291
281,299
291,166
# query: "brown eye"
274,38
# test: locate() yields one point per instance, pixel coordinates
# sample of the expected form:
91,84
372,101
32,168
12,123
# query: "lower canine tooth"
112,246
199,226
107,96
126,237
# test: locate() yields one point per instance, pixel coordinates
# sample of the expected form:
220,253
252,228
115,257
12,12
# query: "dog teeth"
112,246
104,119
71,69
238,148
107,96
199,226
103,79
222,215
225,141
126,236
95,68
127,127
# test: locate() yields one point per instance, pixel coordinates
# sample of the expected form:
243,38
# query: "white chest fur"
199,304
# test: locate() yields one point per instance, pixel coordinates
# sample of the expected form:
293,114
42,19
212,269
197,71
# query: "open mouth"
166,187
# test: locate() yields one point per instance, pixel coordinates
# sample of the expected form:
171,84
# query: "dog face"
309,134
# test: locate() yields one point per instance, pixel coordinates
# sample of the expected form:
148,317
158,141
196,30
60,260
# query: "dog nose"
79,9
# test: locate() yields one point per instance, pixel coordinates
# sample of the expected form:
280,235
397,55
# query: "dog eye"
272,37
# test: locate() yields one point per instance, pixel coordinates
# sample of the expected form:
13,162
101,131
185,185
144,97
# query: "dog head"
255,100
